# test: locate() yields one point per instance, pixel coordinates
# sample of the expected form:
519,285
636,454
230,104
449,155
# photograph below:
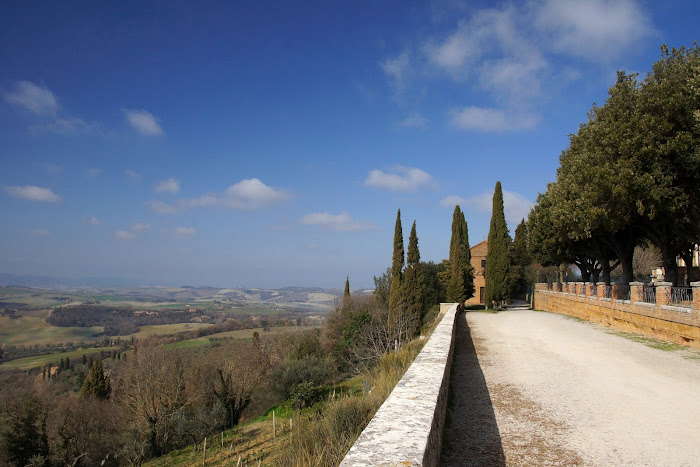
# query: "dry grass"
28,330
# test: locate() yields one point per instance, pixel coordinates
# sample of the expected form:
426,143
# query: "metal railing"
647,294
594,291
680,296
622,292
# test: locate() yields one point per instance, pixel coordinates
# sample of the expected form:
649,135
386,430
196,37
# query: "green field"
41,360
239,334
165,329
29,330
254,310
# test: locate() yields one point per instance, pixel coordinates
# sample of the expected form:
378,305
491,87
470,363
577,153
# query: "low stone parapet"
407,428
657,318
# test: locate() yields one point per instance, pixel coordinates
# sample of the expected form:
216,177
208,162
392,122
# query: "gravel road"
535,388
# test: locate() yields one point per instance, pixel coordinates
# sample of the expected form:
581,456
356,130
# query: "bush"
309,369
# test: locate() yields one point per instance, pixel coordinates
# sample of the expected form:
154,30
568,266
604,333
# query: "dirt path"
533,388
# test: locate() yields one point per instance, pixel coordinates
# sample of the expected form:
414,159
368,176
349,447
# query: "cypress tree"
397,262
346,294
497,256
460,282
468,270
413,281
455,283
520,260
96,383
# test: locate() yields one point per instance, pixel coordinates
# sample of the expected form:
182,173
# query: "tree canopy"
630,174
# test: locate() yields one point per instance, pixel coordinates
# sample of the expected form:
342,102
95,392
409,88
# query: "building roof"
479,249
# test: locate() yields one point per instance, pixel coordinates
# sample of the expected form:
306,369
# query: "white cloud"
396,71
339,222
161,208
456,51
247,194
143,121
93,221
33,193
491,119
184,232
124,235
413,120
515,206
36,99
139,227
133,175
168,186
41,232
67,126
452,201
400,179
597,30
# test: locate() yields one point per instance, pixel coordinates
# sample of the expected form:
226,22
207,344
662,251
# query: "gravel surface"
534,388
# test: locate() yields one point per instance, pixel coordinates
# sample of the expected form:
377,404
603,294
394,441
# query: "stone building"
478,262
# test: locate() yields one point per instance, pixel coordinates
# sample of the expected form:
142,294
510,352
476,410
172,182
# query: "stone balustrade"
407,428
654,312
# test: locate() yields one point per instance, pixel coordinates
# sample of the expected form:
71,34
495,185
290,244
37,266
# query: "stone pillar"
615,292
589,289
580,288
696,297
600,289
636,291
663,289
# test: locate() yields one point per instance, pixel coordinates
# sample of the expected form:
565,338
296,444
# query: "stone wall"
657,318
407,428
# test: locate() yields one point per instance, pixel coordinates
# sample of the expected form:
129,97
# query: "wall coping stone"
648,305
681,309
407,428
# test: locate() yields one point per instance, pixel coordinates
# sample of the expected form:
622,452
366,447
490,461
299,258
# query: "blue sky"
270,144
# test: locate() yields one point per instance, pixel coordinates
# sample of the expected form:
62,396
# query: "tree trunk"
605,271
627,270
668,260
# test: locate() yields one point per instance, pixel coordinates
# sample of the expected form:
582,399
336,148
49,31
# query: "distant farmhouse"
478,262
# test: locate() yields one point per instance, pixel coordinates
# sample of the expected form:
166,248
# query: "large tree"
632,172
459,273
96,383
396,291
497,258
413,281
25,433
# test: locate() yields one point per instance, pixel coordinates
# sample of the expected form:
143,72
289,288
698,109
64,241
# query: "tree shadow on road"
471,435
